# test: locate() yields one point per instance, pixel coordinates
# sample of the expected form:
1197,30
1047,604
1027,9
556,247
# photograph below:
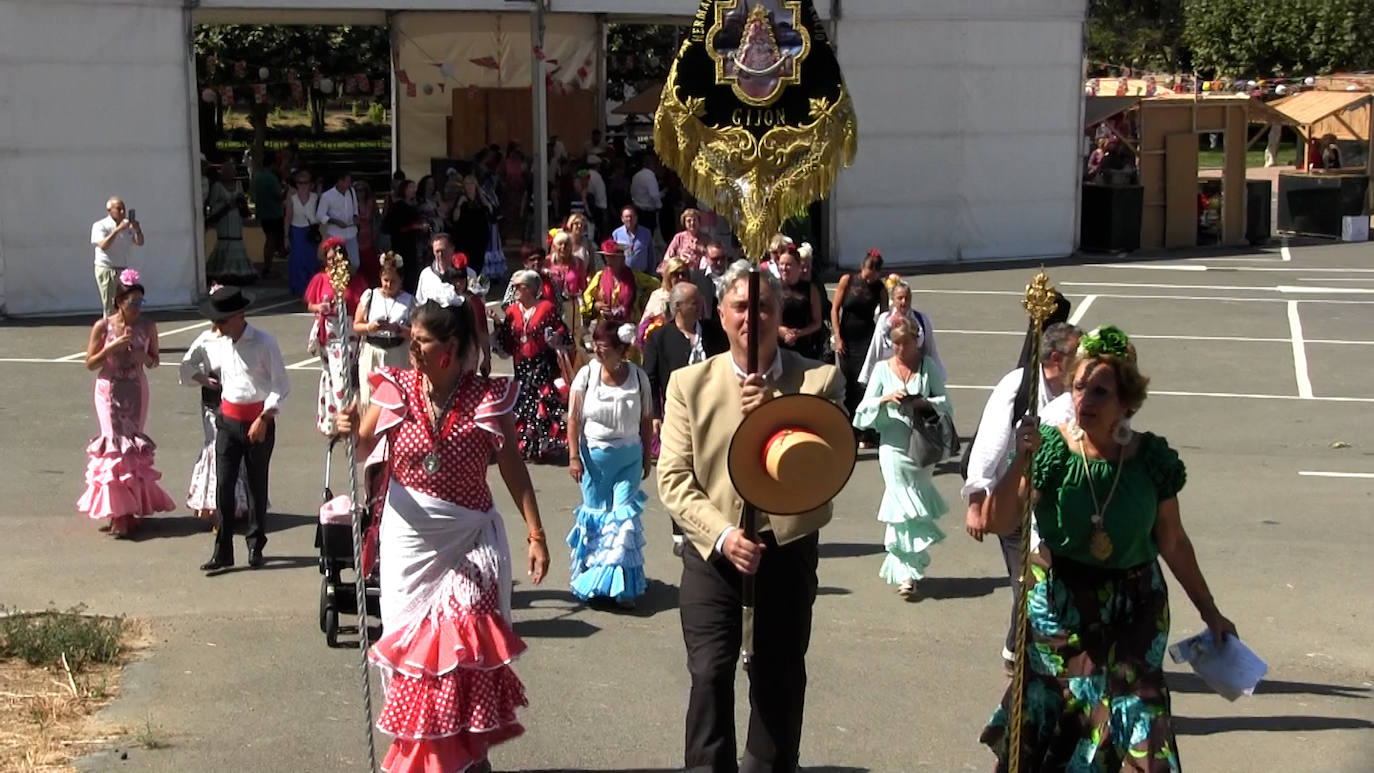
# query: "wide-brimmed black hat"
224,302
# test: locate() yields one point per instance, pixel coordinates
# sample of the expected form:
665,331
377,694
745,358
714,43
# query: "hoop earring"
1122,433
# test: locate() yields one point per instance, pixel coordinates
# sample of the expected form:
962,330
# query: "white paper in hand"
1232,670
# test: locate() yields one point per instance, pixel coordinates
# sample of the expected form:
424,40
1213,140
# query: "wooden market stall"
1329,202
1169,127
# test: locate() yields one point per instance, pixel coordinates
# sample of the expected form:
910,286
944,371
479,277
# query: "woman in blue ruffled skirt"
609,425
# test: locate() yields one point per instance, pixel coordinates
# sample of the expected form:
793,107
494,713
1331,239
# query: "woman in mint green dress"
910,505
1107,509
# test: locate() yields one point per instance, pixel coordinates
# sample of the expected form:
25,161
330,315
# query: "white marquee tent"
969,120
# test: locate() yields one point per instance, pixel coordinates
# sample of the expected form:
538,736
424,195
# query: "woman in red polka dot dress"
445,562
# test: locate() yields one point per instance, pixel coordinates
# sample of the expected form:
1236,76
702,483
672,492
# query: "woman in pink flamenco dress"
121,482
445,563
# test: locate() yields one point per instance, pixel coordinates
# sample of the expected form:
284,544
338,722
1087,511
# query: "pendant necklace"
1100,544
431,460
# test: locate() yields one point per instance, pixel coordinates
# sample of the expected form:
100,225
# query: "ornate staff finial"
339,271
1040,298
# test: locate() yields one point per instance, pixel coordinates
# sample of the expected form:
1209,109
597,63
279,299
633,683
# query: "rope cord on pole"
339,276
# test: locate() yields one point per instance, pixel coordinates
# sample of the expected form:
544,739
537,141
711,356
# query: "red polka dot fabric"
465,443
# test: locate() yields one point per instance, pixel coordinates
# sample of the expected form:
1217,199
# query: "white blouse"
611,415
303,215
383,309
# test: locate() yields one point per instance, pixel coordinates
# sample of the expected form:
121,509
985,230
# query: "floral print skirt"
540,413
1095,693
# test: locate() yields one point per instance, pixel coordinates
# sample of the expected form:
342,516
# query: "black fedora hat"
224,302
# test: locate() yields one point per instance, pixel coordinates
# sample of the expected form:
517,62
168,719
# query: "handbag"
933,436
312,233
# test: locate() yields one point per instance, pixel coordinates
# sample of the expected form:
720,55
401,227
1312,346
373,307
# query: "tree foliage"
335,52
638,55
1140,34
1279,37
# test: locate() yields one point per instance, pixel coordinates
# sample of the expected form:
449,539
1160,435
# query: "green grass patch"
44,638
1216,159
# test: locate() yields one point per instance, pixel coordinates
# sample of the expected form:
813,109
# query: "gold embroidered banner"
755,116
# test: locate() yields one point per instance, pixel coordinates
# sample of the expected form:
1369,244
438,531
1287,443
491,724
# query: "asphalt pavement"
1262,373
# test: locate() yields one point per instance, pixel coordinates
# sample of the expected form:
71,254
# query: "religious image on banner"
755,116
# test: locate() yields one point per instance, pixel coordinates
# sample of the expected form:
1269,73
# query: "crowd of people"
629,357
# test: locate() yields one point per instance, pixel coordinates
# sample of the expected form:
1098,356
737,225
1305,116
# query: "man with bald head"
113,237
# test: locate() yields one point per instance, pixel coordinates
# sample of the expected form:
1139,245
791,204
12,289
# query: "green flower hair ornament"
1106,340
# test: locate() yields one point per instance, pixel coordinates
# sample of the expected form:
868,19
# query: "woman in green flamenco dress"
1106,504
910,505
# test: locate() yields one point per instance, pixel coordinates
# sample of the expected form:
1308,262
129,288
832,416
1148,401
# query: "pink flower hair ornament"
129,277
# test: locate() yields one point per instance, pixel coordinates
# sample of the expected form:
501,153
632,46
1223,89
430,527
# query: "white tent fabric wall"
94,102
425,41
968,130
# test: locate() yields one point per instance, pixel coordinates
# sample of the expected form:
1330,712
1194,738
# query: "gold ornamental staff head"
1040,298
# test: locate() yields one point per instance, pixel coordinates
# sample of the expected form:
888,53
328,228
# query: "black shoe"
216,565
255,559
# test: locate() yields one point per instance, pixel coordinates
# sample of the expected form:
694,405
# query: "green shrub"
42,638
356,111
376,114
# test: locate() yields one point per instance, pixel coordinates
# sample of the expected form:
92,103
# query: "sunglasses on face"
135,303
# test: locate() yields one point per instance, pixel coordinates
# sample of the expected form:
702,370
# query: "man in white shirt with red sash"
254,383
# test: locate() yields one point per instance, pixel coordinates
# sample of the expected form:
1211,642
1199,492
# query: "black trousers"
1011,555
710,607
232,447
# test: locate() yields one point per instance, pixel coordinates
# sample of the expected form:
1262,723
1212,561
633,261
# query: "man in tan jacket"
704,405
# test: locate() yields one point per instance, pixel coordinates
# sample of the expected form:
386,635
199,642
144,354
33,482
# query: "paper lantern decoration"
263,72
1280,89
326,85
1309,81
1206,85
207,95
446,69
378,87
429,90
240,69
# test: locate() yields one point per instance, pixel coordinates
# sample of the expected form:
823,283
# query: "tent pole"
540,151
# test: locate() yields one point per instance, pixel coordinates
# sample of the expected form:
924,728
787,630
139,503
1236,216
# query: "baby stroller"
334,539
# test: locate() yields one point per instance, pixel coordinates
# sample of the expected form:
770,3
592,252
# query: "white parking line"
1082,309
1231,270
1219,395
1331,290
1152,297
161,334
1285,252
1323,474
303,364
1233,339
1299,352
49,362
1152,267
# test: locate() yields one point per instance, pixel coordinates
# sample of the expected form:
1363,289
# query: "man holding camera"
113,236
